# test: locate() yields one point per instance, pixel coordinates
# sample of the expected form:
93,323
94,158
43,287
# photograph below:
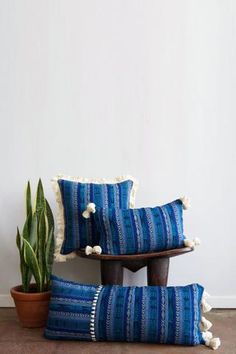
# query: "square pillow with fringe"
157,314
73,194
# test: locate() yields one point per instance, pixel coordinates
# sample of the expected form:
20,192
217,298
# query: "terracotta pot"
32,307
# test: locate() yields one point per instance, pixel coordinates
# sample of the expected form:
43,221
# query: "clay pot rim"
17,294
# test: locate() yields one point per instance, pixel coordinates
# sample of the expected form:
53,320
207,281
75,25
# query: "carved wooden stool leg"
157,271
111,272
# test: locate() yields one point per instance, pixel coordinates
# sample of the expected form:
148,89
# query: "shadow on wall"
77,269
88,271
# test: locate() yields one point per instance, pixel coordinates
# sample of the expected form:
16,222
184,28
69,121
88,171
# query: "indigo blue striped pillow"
170,315
73,195
140,230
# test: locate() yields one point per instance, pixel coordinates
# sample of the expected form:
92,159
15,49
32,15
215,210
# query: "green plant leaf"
40,200
33,239
28,200
28,209
41,244
26,228
49,215
18,240
26,274
49,254
33,264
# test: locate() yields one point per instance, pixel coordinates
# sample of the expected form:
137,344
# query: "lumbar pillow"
142,230
77,196
168,315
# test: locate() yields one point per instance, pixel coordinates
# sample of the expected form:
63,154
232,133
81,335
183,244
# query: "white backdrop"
104,88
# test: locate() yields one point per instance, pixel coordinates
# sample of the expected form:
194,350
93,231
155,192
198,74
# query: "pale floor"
17,340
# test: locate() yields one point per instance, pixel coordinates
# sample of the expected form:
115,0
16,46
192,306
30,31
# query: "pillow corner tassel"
192,243
95,249
185,202
91,208
211,342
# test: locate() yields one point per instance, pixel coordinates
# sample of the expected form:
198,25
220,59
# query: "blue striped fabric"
141,230
80,232
70,310
155,314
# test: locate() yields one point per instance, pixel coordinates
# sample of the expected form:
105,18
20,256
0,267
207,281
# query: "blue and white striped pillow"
168,315
140,230
73,195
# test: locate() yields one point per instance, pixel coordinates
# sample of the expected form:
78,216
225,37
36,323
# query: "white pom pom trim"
205,306
192,243
205,324
186,202
211,342
97,249
189,243
197,241
93,313
90,250
214,343
205,295
91,208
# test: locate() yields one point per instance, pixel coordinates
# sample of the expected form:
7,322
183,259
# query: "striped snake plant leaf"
33,239
26,227
36,242
41,244
26,274
40,200
49,215
18,239
33,264
49,253
28,200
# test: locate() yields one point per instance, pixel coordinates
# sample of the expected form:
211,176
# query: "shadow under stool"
157,263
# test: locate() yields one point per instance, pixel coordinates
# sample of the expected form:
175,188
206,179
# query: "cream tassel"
91,208
211,342
214,343
192,243
96,249
205,306
186,203
205,324
205,295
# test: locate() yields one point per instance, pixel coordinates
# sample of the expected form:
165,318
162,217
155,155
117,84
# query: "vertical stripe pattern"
140,230
80,232
168,315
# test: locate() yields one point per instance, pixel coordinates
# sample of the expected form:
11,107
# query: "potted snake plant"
36,248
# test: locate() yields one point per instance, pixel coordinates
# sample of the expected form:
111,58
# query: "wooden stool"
157,265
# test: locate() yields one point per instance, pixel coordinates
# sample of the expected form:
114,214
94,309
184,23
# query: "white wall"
103,88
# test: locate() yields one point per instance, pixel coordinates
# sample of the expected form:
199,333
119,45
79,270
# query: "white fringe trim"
60,211
93,313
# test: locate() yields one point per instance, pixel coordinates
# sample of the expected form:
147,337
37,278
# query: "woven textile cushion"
141,230
73,195
116,313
